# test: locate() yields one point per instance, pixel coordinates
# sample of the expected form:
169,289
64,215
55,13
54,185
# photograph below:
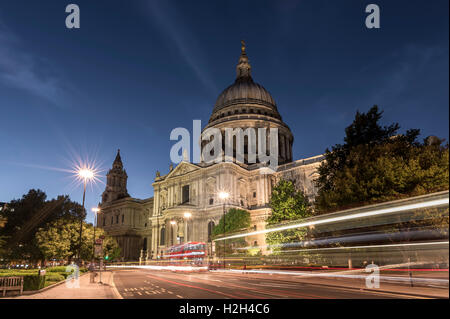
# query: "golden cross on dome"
243,46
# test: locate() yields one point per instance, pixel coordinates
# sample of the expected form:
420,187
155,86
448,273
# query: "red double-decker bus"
193,253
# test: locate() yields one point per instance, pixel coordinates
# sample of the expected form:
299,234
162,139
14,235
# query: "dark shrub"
30,281
54,277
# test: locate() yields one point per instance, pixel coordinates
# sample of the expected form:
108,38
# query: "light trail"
172,268
441,282
376,246
437,202
366,246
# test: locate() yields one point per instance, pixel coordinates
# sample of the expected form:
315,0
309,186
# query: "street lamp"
224,196
96,210
86,175
187,215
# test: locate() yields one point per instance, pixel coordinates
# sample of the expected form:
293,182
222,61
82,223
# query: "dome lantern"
243,68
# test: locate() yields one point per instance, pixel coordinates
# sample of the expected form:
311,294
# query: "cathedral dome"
247,104
244,97
244,91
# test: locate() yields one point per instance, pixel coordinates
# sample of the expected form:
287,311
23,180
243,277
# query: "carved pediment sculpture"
181,169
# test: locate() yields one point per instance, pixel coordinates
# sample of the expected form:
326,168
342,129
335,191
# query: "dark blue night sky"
137,69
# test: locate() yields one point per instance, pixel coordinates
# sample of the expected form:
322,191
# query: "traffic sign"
99,241
98,250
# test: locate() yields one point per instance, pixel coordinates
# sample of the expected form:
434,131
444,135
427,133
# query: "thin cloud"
407,65
184,41
20,69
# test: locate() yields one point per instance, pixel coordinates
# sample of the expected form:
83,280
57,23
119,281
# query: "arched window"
145,244
210,229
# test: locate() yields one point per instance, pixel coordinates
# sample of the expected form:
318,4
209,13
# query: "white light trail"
371,246
172,268
437,202
443,282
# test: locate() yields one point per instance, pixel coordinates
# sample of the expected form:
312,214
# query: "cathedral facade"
186,204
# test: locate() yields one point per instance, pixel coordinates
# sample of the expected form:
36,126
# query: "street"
145,284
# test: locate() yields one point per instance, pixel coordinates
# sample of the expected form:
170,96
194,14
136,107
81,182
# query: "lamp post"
224,196
86,175
187,215
96,210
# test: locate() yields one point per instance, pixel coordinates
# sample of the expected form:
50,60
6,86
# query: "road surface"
145,284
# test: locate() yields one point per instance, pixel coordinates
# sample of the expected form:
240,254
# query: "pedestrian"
93,274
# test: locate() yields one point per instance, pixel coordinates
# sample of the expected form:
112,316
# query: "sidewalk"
87,290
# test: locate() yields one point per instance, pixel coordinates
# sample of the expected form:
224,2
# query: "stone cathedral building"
186,203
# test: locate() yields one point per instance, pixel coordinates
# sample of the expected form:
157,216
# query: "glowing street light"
86,174
223,195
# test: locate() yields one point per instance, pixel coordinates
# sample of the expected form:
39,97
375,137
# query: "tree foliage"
60,240
378,164
287,204
235,220
29,213
2,244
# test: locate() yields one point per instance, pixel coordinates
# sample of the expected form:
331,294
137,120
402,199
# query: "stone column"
288,148
282,147
155,235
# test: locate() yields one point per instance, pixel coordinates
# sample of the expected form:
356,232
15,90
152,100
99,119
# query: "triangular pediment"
182,169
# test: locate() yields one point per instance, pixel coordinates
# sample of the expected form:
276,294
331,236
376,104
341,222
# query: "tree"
60,240
377,164
288,204
2,244
26,215
235,220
